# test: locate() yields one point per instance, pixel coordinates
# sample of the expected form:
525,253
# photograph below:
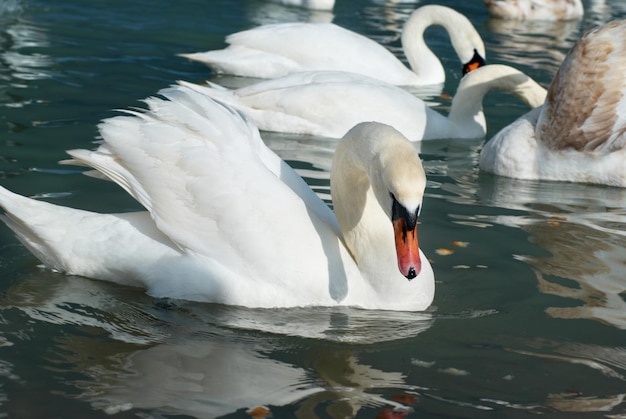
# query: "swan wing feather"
206,177
586,106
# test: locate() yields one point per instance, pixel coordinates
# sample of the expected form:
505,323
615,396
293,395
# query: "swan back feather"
585,107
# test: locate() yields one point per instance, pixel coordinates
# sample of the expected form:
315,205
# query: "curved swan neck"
372,162
465,40
467,106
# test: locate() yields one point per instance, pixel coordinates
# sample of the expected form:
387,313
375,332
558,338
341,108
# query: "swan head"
405,232
475,62
404,181
378,185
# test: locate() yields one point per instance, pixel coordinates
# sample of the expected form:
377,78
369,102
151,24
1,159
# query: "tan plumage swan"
549,10
579,134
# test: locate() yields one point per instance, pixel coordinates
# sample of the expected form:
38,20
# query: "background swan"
578,134
276,50
328,104
228,221
308,4
535,9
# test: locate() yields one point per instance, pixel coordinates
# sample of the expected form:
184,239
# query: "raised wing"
213,187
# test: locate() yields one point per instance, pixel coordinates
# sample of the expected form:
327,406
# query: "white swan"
578,135
308,4
228,221
328,104
550,10
276,50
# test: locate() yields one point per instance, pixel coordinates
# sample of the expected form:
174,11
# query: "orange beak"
476,62
407,249
472,67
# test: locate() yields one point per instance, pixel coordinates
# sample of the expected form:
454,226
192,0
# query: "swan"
577,135
275,50
326,5
328,104
227,221
550,10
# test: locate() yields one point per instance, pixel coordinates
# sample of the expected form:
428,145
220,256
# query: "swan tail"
78,242
193,56
216,60
37,226
245,62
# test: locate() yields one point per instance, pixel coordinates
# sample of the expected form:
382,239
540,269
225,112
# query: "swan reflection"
582,228
268,12
179,358
534,46
599,12
606,360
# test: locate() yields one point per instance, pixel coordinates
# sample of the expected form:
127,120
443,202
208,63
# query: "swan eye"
399,211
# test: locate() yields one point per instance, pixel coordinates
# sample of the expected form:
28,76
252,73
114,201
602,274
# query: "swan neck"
351,187
372,163
421,59
463,36
467,105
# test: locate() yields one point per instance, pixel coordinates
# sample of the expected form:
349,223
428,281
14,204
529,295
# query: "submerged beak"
407,246
476,62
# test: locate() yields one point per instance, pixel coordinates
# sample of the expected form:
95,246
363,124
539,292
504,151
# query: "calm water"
529,316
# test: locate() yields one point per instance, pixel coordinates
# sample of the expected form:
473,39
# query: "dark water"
530,312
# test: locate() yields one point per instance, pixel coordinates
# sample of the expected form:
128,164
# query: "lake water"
529,316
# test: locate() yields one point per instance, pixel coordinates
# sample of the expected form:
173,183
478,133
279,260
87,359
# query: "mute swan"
578,134
328,104
228,221
535,9
308,4
271,51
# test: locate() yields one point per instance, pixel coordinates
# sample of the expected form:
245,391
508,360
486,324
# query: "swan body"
275,50
227,221
328,104
308,4
578,134
549,10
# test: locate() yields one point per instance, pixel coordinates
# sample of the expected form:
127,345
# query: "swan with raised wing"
579,134
229,222
329,103
272,51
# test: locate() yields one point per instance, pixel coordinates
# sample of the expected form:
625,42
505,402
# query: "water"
529,316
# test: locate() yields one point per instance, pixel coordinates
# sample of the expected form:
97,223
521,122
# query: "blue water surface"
529,317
